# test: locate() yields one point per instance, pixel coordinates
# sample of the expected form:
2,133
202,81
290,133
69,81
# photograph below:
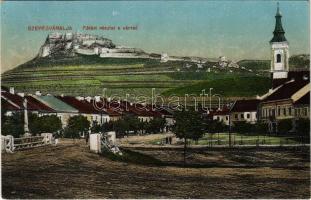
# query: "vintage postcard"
155,99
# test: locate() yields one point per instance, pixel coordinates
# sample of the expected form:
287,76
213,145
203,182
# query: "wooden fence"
10,144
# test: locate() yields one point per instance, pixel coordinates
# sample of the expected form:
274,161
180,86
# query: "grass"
244,139
88,75
239,86
238,139
129,156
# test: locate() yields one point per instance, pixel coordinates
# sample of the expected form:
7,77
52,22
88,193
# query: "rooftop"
286,90
56,104
245,105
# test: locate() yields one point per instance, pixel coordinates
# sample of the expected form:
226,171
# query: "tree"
243,127
156,125
284,126
44,124
76,125
126,124
303,127
12,125
215,126
261,128
96,128
188,125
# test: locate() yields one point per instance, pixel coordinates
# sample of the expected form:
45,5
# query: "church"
289,96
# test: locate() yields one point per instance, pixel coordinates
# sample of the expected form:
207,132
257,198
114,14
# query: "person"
86,138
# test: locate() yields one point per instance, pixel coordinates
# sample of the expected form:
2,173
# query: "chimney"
80,98
88,99
97,98
12,90
21,94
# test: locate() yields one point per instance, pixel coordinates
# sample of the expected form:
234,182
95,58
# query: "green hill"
89,75
229,87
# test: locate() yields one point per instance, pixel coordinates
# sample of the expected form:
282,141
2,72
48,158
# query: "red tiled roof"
32,103
16,99
286,90
304,100
5,105
296,75
103,105
139,109
245,105
224,111
82,106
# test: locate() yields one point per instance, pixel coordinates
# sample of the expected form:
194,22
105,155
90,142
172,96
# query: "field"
238,139
69,170
88,75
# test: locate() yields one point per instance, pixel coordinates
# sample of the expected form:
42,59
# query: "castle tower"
279,49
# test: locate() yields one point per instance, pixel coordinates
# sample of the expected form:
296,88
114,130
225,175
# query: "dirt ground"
70,171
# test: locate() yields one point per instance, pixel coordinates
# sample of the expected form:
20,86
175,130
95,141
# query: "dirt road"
71,171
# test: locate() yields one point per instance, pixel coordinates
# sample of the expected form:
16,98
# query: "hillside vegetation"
89,75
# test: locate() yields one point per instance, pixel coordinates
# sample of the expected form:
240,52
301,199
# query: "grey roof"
56,104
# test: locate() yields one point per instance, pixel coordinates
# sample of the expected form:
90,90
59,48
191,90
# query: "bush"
243,127
76,125
284,126
46,123
12,125
303,127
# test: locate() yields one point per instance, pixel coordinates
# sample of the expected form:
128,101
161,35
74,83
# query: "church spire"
278,33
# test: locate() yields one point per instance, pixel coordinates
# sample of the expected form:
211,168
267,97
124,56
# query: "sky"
235,29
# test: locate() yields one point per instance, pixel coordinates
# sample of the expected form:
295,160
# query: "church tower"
279,49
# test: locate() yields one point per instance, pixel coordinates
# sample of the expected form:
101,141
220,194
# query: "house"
290,100
166,113
12,102
63,110
111,108
244,110
141,111
221,115
86,109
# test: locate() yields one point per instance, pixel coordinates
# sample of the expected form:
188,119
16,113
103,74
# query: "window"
279,111
278,58
248,116
242,116
284,111
227,118
236,116
289,111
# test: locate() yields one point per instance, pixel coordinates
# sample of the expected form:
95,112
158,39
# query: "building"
244,110
279,47
142,112
62,110
86,109
289,97
291,100
12,103
221,115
